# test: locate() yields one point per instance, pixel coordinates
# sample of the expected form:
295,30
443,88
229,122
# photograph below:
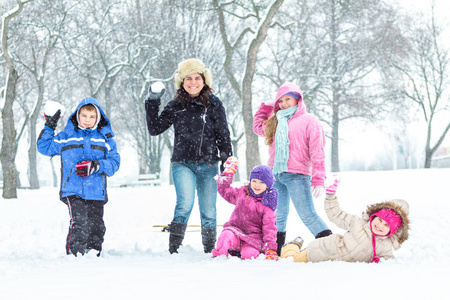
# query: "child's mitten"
52,113
271,255
52,120
86,168
231,165
331,190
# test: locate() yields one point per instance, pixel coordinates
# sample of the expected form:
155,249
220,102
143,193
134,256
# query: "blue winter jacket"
76,145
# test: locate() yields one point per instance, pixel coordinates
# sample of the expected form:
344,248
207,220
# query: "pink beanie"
389,216
392,219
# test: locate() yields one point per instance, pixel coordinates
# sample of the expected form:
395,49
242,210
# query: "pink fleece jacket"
306,137
251,221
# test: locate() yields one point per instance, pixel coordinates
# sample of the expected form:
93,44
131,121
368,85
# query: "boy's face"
87,118
380,227
257,186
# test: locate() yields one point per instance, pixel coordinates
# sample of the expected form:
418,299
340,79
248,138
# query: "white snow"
51,107
135,263
157,87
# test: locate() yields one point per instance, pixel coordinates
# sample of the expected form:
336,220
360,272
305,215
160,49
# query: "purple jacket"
251,221
306,136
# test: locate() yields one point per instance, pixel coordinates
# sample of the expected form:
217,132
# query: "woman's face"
193,84
380,227
286,102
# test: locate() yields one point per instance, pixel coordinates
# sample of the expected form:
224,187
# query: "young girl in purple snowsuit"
251,229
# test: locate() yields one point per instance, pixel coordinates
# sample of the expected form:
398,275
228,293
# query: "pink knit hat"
389,216
392,219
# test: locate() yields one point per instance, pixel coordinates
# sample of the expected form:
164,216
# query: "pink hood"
285,88
306,136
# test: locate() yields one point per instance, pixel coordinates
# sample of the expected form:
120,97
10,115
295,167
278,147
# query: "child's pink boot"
218,252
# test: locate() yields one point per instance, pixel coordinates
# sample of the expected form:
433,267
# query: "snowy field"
135,263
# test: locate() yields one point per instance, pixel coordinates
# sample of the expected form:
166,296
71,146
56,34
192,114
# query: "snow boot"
324,233
297,241
281,238
208,238
177,231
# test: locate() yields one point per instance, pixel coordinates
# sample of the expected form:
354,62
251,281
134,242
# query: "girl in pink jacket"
251,229
296,148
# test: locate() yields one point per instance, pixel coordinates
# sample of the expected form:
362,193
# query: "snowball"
51,107
157,87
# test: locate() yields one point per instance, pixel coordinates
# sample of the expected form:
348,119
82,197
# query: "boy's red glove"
87,167
230,165
271,255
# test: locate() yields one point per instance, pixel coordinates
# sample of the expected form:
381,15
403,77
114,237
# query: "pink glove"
230,165
317,190
271,255
331,190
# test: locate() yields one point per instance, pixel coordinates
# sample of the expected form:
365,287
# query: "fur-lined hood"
401,207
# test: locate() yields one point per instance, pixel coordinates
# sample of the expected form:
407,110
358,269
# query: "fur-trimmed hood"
401,207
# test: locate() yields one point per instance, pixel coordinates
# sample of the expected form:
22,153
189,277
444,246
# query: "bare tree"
330,51
8,150
42,35
424,69
254,21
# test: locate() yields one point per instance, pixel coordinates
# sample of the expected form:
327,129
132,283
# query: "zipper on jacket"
180,111
203,131
67,180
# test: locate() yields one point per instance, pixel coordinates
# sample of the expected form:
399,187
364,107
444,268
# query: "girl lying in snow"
383,228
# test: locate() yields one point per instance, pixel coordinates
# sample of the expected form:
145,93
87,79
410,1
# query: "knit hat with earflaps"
189,66
269,197
392,219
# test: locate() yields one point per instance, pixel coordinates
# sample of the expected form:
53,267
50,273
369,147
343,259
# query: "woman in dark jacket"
202,140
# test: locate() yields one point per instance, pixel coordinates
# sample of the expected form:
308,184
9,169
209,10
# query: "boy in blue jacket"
88,155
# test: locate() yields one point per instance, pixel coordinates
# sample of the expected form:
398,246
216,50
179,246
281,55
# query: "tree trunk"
335,141
252,149
8,153
33,177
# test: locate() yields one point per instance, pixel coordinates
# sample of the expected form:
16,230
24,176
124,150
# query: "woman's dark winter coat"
201,132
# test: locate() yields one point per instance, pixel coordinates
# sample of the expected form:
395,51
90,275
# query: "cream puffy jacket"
356,244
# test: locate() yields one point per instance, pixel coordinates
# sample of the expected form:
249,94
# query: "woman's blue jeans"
298,188
189,177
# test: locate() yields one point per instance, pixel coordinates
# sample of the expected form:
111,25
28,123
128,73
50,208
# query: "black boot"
281,238
324,233
208,238
177,231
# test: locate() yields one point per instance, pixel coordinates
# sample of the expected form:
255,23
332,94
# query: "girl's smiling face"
258,186
286,102
380,227
193,84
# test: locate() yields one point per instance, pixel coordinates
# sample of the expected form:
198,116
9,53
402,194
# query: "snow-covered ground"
135,263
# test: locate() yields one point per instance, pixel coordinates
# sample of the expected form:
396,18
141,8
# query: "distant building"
441,158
